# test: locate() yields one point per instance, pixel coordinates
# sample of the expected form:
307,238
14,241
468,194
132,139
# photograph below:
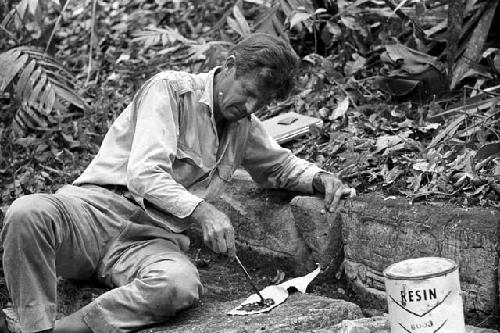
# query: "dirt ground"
224,281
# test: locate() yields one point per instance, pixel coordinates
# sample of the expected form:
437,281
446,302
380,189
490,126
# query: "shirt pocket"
188,166
188,155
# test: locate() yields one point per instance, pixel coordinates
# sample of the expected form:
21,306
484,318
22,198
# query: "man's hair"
269,58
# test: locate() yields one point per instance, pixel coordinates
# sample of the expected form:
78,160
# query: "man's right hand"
218,233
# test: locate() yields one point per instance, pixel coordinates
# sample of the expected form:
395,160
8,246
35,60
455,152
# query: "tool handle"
248,277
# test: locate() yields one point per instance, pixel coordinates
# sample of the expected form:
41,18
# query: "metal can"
424,296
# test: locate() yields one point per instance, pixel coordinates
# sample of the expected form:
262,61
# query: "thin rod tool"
249,278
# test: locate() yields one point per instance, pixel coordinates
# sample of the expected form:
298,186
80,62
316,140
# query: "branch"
10,34
486,92
56,25
418,29
347,94
92,37
222,20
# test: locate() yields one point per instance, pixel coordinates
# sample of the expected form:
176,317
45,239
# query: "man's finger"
206,238
348,192
336,198
220,241
213,243
340,193
222,245
231,247
328,194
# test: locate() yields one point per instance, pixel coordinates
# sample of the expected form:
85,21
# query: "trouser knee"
27,218
172,292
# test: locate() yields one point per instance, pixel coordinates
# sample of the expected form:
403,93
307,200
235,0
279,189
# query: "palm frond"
198,51
28,116
166,36
11,63
20,11
39,82
24,8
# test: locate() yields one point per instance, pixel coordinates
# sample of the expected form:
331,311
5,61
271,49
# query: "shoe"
9,322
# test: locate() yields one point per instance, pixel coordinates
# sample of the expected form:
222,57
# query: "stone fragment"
321,233
379,324
262,218
378,232
300,313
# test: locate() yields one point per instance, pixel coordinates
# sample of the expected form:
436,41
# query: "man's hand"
218,233
333,188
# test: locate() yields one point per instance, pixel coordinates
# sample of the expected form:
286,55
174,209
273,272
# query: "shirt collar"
208,95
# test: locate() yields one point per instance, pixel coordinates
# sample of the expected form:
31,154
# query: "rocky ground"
328,300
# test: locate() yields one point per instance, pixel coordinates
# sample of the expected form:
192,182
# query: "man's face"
241,96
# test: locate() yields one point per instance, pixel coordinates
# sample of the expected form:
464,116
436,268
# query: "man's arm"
154,149
149,168
270,165
273,166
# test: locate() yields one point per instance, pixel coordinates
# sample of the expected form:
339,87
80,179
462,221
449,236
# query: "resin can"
424,296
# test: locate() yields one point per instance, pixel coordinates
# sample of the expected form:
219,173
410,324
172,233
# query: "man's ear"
230,62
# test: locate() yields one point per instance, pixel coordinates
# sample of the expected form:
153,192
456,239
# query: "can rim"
392,276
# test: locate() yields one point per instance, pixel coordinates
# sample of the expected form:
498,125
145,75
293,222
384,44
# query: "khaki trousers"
93,233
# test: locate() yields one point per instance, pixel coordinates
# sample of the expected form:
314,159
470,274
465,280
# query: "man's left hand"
333,188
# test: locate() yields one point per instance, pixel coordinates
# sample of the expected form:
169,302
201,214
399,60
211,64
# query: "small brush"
249,278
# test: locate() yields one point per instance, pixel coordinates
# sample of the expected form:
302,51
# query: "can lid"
420,268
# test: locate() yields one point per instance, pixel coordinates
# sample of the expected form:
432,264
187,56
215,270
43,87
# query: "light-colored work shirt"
164,147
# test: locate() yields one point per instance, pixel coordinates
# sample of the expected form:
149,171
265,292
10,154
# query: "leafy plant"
37,80
29,20
173,40
152,36
239,23
40,83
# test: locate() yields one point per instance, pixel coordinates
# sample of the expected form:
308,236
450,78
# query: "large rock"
377,232
299,313
379,324
262,219
321,233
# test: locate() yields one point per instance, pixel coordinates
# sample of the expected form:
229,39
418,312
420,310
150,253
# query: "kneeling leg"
155,280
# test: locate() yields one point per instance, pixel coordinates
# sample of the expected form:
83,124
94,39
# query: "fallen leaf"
487,150
387,141
298,18
340,110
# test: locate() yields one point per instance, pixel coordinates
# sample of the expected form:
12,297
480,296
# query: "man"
162,160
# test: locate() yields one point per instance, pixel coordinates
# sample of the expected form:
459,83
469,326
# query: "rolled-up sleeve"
153,152
271,165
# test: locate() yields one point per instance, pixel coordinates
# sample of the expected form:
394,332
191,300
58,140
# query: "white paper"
278,293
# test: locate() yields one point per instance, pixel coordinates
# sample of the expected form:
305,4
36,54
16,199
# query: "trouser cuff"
37,318
94,318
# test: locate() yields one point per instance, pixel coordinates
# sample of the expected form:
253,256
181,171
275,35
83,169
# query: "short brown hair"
272,60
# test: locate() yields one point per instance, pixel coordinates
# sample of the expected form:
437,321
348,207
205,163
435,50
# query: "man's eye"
250,93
